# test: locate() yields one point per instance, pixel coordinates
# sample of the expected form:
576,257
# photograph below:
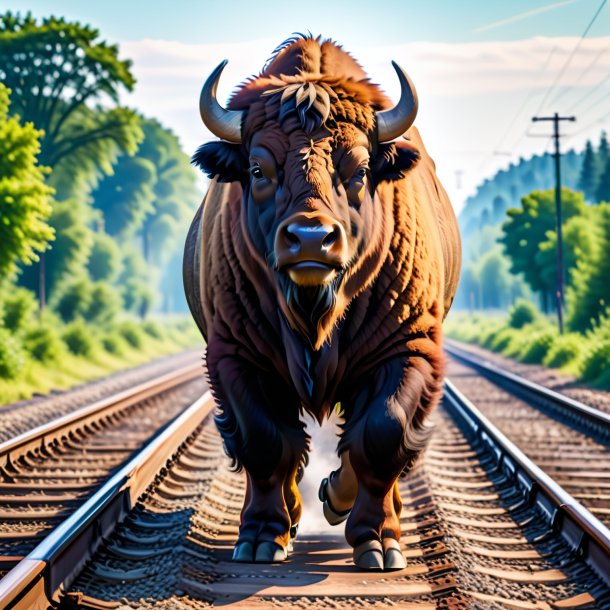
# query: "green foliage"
522,313
596,361
589,295
105,261
25,199
73,298
58,70
43,342
501,339
565,349
78,337
588,179
114,343
19,307
603,188
11,355
132,333
537,347
528,226
154,329
105,303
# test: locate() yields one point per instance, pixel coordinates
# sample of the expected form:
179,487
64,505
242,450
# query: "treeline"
503,262
95,199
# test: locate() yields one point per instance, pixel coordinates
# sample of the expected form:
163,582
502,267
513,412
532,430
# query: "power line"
589,93
571,56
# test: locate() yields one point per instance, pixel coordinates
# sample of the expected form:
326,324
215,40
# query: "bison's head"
311,144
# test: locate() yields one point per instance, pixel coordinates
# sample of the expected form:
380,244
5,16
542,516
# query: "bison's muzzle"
311,248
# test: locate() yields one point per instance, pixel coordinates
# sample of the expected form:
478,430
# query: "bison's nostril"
291,237
331,238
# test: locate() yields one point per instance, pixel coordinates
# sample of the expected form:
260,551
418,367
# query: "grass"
69,370
536,341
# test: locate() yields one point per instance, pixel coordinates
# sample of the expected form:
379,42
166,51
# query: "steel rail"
583,532
45,435
37,581
539,396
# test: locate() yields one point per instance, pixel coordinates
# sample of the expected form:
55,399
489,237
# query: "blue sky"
481,68
388,21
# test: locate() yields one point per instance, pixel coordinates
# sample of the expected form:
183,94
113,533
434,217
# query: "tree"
126,197
589,295
603,188
24,196
587,182
58,71
527,227
494,280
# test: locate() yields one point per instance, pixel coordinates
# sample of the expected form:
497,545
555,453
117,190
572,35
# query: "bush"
521,313
138,297
537,347
19,307
73,298
77,336
114,343
502,339
565,349
44,343
132,333
596,361
105,260
11,355
105,303
154,329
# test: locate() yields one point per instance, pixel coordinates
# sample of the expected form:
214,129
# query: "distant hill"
487,207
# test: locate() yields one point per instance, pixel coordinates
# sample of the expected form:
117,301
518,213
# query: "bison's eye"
256,172
360,173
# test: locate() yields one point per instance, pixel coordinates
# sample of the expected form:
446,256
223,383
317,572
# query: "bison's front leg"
259,423
384,435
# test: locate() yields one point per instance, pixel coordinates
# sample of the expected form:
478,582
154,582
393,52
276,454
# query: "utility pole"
560,275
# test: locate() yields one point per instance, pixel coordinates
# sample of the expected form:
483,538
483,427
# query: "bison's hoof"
331,515
270,552
369,555
393,559
243,552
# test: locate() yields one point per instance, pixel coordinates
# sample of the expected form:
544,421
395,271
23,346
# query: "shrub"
105,259
132,333
521,313
114,343
596,361
154,329
565,349
44,343
138,297
501,340
11,355
104,304
19,307
537,347
77,336
73,298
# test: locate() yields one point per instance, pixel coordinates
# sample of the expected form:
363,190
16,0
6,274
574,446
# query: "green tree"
527,227
587,182
126,197
603,187
24,196
58,71
589,295
105,261
494,280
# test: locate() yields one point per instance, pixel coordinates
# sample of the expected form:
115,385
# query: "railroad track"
47,472
483,527
568,439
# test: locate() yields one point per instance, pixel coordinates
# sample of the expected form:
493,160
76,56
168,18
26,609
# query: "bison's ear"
220,159
393,160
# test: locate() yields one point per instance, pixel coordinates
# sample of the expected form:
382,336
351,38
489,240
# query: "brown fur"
377,349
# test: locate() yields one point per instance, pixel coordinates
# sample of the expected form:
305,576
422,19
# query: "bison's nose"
315,238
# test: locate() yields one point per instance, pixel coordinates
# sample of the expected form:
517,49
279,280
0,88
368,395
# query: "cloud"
522,16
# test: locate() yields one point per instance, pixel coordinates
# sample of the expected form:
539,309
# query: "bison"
319,269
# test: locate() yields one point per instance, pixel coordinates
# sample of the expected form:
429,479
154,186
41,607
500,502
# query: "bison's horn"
225,124
393,123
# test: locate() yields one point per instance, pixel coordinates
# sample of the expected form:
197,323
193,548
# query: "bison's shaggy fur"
370,337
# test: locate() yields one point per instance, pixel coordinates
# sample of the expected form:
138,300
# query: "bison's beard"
309,305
